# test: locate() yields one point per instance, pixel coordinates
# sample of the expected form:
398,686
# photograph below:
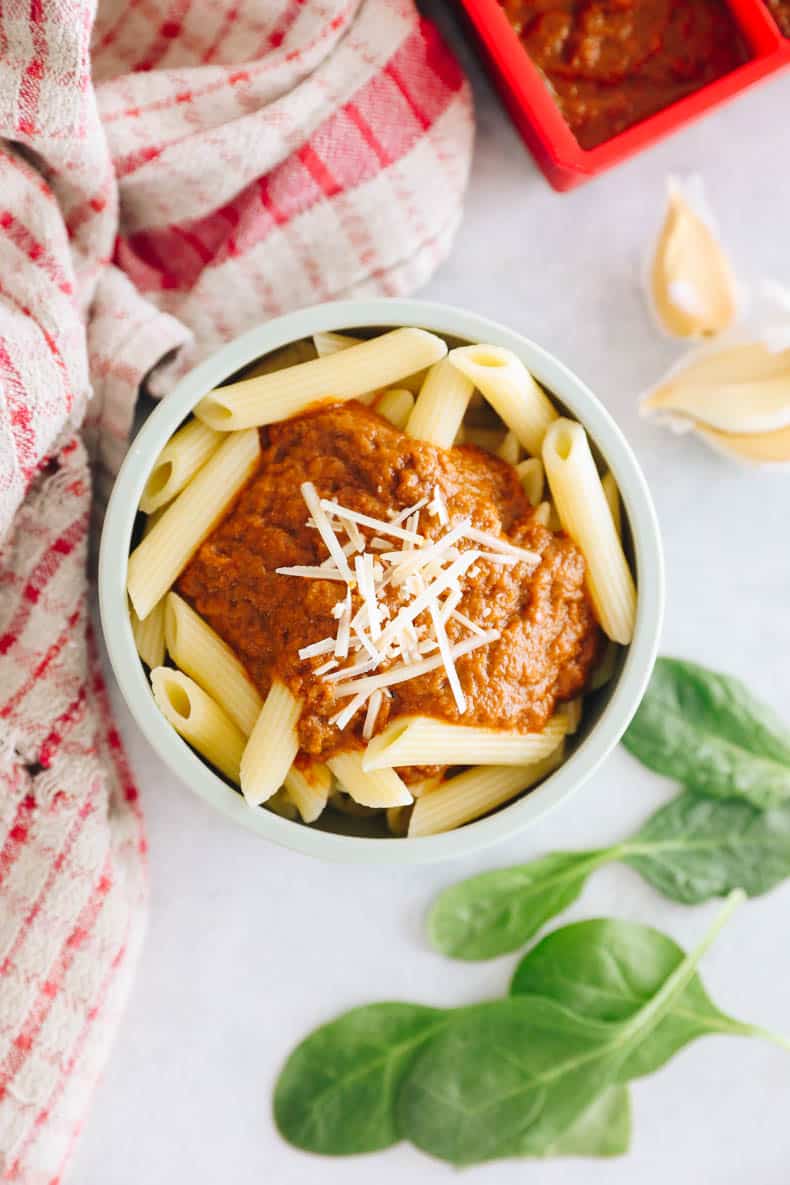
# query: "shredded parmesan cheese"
382,641
374,707
325,528
310,573
323,647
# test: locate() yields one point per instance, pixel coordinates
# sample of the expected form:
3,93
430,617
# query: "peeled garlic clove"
756,448
740,388
691,285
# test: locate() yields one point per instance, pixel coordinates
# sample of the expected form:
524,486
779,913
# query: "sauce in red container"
781,12
612,63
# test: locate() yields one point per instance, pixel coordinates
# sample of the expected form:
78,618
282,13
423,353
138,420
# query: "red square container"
538,118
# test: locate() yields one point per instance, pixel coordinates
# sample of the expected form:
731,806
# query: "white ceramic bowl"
617,702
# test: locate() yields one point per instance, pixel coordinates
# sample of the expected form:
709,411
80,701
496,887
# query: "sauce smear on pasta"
547,636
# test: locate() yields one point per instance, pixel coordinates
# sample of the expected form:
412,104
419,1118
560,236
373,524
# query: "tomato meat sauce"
781,14
612,63
548,640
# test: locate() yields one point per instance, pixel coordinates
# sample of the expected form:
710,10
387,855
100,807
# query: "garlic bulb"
690,284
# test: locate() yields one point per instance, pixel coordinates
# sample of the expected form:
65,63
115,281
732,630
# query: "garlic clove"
691,285
756,448
741,388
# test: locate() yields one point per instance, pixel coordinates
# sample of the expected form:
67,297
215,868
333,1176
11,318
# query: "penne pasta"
198,651
331,343
281,804
395,405
149,635
382,788
469,795
398,820
585,515
606,667
272,745
424,740
308,788
532,478
417,789
403,557
613,498
345,805
489,439
290,355
159,558
511,390
572,711
441,404
380,362
199,720
510,449
185,453
414,382
546,515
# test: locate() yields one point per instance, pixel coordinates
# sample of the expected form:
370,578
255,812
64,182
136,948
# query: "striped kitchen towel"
172,172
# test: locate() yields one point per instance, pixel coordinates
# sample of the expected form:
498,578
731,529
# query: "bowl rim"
344,316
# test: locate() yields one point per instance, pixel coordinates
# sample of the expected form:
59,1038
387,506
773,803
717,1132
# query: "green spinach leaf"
498,911
691,850
708,731
606,970
696,848
509,1078
336,1093
604,1129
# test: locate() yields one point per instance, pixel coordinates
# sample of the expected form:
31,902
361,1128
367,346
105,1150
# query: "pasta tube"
199,720
381,362
510,449
332,343
158,560
185,453
290,355
585,515
395,405
196,649
308,789
272,746
280,804
532,478
606,667
398,820
441,405
572,711
149,635
423,740
510,389
546,515
466,797
381,788
613,498
489,439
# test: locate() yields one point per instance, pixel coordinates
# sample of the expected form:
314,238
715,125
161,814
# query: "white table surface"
250,947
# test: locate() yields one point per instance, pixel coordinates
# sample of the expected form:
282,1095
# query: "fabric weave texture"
172,172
